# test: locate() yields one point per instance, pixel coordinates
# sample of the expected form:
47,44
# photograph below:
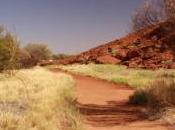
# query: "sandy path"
103,107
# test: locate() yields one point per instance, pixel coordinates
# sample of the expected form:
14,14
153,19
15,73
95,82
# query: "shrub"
170,9
153,12
158,95
59,56
38,52
24,59
146,15
9,51
112,52
161,93
139,97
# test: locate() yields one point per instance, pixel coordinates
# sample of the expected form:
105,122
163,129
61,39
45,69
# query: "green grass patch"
136,78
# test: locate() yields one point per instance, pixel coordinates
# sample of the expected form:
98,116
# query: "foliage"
9,51
145,15
170,9
157,95
13,57
161,93
139,97
38,52
112,51
153,12
24,58
59,56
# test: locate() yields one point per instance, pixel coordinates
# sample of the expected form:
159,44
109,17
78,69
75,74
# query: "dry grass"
37,100
161,93
155,89
158,95
159,98
136,78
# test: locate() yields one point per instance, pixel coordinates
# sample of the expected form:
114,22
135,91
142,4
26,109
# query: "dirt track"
103,106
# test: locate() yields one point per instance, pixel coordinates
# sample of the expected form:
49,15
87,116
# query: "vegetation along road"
103,106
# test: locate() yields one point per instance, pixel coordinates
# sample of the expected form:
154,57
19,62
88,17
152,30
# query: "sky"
67,26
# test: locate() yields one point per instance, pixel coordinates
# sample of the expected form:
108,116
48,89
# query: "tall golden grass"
157,95
37,100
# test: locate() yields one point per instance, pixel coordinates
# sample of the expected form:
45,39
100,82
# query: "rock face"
107,59
150,48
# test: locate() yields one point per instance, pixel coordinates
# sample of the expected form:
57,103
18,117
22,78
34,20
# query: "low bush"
153,12
25,59
9,51
139,97
60,56
158,95
38,52
112,51
161,93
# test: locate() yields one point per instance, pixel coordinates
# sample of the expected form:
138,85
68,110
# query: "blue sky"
67,26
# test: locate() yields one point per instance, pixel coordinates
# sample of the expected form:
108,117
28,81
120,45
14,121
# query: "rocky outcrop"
150,48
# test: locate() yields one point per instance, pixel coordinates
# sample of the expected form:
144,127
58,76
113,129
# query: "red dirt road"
103,106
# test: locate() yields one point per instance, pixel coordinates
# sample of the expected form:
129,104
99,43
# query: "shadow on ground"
111,114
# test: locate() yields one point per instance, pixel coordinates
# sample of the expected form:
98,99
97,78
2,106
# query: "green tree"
60,56
9,51
25,59
38,52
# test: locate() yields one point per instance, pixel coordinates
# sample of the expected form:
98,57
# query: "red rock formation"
151,48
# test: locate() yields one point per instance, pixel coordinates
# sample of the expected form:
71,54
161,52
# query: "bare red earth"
103,106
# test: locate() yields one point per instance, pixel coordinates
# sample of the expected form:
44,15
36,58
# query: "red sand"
103,106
